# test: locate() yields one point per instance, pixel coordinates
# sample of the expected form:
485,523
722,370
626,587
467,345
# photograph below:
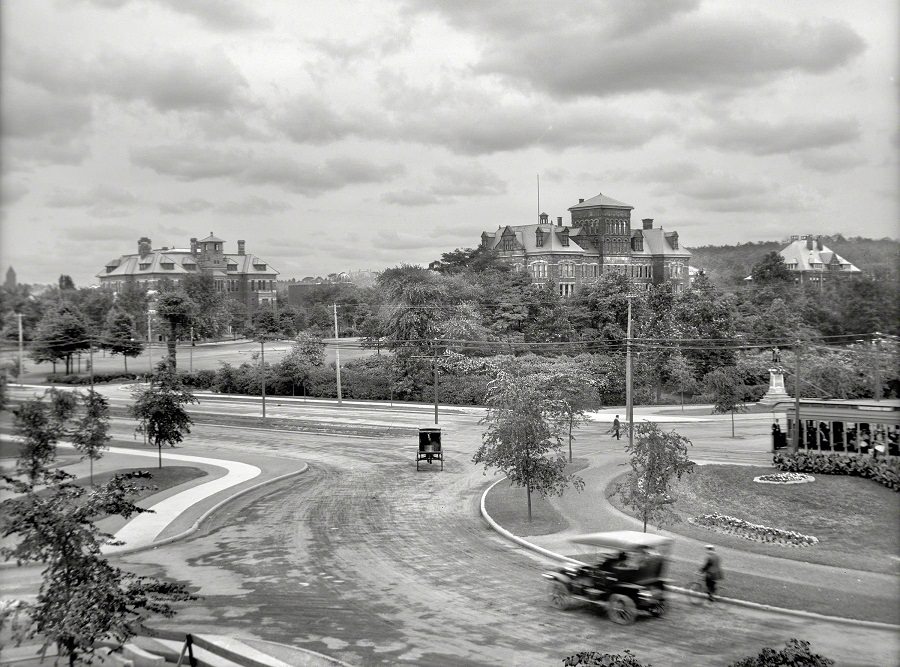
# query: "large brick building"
599,239
246,278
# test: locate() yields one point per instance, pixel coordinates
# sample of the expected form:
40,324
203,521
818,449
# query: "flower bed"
784,478
723,523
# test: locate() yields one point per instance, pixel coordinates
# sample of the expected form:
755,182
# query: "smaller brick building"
244,277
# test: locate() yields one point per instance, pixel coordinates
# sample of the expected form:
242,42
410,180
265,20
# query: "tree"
307,353
266,325
728,391
656,457
237,316
160,409
90,434
82,598
61,333
573,385
41,426
178,310
211,313
771,269
66,283
120,335
680,372
522,438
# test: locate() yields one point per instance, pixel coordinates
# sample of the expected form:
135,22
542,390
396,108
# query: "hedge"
884,471
99,378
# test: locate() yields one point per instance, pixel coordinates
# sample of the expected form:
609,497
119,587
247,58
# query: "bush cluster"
99,378
884,471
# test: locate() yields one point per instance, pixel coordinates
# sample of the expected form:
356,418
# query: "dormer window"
564,236
167,265
144,266
110,269
232,267
539,238
190,267
259,267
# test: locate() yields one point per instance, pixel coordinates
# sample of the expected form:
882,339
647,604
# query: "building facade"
810,260
599,239
244,277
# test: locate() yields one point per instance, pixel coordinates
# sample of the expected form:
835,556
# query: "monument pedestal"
776,390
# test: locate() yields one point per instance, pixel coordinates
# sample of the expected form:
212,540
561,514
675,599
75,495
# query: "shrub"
202,379
795,654
594,659
884,471
99,378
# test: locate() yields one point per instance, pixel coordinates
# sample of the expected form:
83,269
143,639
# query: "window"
168,266
190,267
144,266
252,285
259,267
232,267
539,269
566,270
518,266
539,238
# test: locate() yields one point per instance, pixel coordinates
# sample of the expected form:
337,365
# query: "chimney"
194,245
581,201
144,247
819,245
544,218
809,242
559,221
648,223
240,246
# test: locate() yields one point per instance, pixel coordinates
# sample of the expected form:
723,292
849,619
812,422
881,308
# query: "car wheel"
621,609
559,596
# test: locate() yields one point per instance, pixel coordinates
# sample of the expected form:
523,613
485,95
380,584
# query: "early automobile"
626,580
430,446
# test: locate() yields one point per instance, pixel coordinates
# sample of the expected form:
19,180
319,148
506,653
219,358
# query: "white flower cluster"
753,531
785,478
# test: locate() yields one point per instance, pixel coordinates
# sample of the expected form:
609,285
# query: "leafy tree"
266,325
548,319
61,333
797,653
90,434
132,298
469,259
575,388
160,409
120,336
66,282
307,353
237,316
41,425
656,457
421,305
522,438
211,312
680,373
707,315
728,391
771,269
82,598
178,310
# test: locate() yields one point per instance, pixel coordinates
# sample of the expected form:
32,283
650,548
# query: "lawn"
508,506
854,519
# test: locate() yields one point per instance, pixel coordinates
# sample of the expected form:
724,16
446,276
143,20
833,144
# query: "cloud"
225,15
252,206
188,206
309,119
829,161
467,180
174,81
388,239
570,53
411,198
190,163
12,191
102,194
314,179
785,136
100,232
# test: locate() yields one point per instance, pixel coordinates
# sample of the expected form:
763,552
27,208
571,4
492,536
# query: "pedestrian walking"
712,570
615,427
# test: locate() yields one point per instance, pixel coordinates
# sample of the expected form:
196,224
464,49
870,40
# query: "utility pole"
629,398
149,345
191,352
91,364
795,438
21,366
337,354
435,369
262,372
876,363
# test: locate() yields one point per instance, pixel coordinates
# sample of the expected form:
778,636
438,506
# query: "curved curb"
738,603
301,649
203,517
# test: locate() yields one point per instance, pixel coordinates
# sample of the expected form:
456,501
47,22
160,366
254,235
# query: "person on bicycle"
712,570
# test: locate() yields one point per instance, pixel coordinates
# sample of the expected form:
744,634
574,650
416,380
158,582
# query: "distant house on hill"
810,260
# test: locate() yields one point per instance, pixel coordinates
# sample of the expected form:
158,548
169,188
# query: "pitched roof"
800,257
130,265
211,238
658,242
600,200
526,237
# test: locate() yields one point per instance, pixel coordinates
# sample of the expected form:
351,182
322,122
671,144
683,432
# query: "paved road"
368,560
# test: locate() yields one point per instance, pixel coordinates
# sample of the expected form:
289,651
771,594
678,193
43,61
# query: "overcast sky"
336,135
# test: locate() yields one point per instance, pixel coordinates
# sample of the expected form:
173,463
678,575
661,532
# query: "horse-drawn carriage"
430,446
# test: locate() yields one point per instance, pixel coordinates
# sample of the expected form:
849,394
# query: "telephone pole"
262,373
21,366
876,364
91,363
795,436
149,345
337,354
629,397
